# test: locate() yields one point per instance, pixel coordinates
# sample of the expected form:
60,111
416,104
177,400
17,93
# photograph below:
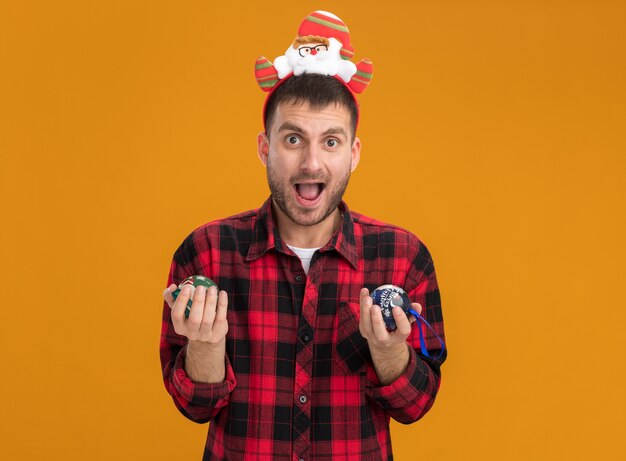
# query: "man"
290,359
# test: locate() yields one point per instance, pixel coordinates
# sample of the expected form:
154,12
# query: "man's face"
309,156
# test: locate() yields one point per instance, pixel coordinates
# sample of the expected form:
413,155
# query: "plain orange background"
492,130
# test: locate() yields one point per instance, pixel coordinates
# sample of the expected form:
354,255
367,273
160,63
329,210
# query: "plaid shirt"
300,383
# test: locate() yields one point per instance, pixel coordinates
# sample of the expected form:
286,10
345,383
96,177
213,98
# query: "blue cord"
421,319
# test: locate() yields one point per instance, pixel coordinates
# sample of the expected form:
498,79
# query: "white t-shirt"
305,255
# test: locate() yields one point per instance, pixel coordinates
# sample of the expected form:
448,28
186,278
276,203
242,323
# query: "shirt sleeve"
197,401
413,393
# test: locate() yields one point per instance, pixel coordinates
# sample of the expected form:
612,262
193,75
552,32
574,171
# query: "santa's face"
309,158
309,53
312,49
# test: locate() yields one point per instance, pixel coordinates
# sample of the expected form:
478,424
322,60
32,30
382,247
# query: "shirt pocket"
353,354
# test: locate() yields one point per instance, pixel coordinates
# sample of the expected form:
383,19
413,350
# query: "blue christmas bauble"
388,296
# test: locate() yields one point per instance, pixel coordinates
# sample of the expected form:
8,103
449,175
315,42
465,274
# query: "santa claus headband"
322,46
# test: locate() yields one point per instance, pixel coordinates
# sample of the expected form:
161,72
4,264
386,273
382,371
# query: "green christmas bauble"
194,281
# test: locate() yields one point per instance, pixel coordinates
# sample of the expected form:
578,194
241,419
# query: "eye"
319,48
293,140
332,143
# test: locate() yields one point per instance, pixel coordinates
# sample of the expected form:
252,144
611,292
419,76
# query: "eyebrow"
335,131
289,126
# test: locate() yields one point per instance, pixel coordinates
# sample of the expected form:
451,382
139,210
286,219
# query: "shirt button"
298,278
306,336
303,399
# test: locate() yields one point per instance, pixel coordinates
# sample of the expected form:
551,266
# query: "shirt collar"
266,236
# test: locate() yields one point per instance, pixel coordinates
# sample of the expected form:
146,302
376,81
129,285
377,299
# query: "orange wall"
493,130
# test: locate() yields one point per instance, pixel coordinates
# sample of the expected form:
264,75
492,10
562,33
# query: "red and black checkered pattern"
299,378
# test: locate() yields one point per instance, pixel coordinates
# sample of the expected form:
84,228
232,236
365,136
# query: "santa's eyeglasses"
305,50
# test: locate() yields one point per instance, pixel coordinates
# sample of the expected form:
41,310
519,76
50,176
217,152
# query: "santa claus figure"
321,47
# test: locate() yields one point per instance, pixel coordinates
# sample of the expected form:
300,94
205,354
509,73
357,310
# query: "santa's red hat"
328,25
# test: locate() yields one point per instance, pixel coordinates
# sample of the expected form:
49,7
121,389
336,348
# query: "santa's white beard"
321,63
324,62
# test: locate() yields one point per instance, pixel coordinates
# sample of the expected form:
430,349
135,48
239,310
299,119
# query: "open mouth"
309,192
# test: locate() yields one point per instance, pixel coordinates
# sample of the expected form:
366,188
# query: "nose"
313,51
311,160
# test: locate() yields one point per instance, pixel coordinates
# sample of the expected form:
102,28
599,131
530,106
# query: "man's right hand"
207,319
205,328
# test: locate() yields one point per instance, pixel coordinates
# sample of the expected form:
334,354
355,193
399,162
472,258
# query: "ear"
356,154
263,147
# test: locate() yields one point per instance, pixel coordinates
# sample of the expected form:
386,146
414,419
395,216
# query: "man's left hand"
388,348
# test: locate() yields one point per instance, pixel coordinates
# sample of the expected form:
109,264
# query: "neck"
315,236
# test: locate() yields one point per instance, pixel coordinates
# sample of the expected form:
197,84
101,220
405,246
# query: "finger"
197,309
363,293
167,295
222,305
220,325
365,322
209,310
178,309
378,324
402,322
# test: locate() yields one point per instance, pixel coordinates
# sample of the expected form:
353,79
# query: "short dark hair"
318,90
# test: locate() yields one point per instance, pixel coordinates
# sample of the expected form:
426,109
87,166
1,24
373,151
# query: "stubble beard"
294,212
